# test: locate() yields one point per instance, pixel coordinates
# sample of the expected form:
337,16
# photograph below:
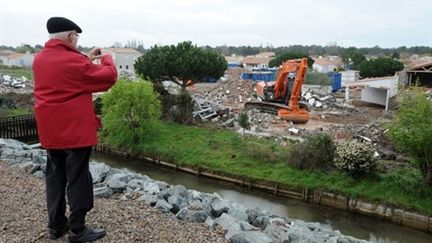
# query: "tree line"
313,50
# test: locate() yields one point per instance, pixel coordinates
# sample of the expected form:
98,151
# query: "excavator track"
266,107
269,107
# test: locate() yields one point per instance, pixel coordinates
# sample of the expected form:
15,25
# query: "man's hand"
95,53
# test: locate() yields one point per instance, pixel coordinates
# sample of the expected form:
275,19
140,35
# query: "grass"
261,159
14,112
17,72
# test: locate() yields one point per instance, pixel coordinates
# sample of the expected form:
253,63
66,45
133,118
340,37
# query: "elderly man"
64,82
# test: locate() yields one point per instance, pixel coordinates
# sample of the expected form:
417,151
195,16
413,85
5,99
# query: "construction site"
330,112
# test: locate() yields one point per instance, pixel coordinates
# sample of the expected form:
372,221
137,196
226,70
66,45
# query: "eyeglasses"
76,34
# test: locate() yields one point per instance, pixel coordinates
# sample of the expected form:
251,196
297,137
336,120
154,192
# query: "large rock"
8,154
252,214
229,223
30,167
14,144
98,171
219,206
277,229
39,156
39,174
165,194
250,237
181,191
162,185
163,205
349,239
149,199
150,187
136,184
102,192
261,222
118,182
194,212
238,211
178,202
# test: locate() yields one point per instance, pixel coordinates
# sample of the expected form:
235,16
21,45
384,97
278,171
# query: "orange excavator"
283,94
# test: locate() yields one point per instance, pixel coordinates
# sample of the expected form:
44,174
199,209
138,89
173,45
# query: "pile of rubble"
231,90
220,103
14,84
429,95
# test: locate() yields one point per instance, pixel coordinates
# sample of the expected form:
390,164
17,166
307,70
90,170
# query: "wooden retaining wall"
398,216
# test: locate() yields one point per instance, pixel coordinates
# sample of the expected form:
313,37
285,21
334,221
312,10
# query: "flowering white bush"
355,158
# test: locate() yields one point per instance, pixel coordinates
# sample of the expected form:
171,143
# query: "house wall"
324,68
349,77
125,61
259,65
23,61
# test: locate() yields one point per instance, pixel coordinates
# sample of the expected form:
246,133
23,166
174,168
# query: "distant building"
234,61
252,62
421,73
124,58
266,54
18,59
325,65
4,54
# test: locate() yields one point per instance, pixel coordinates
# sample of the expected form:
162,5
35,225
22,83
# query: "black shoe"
87,234
54,234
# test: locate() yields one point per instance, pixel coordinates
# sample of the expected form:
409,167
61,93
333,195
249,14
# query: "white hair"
60,35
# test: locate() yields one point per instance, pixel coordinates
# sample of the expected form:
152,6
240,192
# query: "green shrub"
243,120
182,111
315,77
130,113
316,152
265,152
355,158
411,130
407,180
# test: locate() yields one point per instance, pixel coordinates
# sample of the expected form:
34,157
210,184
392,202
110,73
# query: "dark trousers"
67,174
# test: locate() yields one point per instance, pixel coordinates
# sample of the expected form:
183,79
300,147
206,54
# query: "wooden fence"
21,128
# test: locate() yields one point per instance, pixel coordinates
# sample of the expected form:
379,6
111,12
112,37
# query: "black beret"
60,24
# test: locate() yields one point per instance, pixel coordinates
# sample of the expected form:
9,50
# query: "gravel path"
23,216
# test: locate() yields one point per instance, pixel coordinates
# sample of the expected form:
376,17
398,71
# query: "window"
127,67
120,66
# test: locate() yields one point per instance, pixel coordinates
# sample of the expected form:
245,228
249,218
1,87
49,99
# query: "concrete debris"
365,138
171,87
429,95
15,84
293,130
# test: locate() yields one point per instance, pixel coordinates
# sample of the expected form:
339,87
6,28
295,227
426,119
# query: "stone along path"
23,216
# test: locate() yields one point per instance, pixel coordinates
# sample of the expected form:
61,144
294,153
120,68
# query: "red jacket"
64,80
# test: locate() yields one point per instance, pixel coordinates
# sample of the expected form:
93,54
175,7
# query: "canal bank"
367,228
138,191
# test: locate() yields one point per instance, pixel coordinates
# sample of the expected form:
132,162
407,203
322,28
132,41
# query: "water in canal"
359,226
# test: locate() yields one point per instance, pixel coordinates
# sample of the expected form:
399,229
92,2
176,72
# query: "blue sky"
365,23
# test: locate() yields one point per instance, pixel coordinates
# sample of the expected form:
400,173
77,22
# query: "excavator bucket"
298,116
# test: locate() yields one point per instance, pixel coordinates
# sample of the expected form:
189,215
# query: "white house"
124,58
18,59
325,65
251,62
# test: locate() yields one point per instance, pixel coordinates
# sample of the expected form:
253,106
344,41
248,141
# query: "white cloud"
216,22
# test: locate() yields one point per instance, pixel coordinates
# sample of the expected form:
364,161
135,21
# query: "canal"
356,225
